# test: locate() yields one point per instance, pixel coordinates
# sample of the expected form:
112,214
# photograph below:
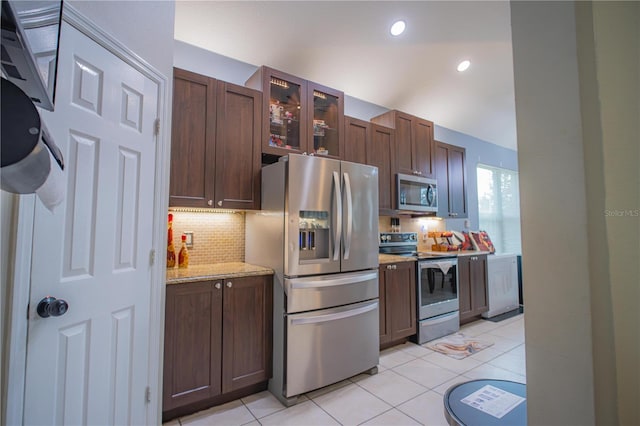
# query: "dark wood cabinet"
193,139
325,131
357,136
246,331
472,286
284,111
397,301
451,173
414,142
218,340
215,144
373,144
298,115
381,152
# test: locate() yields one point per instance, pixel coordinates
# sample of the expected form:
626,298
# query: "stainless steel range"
437,282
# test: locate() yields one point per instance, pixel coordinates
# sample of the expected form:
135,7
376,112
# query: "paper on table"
491,400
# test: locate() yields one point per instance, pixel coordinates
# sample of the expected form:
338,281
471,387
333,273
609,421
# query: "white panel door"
89,366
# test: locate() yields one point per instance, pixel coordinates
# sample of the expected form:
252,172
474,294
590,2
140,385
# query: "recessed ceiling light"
398,28
462,66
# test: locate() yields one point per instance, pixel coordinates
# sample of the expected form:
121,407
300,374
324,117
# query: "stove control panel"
398,238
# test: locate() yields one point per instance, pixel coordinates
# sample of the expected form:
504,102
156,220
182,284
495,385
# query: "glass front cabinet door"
326,119
285,117
299,116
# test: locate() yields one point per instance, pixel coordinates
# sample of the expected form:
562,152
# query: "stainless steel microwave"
416,193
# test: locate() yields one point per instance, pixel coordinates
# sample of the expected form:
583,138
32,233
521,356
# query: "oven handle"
333,282
336,316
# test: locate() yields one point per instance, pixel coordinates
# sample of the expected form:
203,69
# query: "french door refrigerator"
318,230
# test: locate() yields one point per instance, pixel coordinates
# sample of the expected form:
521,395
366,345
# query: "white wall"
145,27
616,42
576,80
555,259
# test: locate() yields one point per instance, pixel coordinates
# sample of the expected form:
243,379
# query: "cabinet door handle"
229,284
219,203
210,202
218,286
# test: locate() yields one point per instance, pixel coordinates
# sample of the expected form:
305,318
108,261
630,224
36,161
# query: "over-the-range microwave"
416,193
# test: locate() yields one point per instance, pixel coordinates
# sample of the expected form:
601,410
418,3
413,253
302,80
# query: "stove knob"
412,237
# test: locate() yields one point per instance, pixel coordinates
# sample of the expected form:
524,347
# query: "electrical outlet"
189,240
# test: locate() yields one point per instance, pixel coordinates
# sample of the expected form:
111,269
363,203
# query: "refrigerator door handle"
338,195
311,284
335,316
347,240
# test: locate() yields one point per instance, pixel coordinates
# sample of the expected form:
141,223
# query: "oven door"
437,287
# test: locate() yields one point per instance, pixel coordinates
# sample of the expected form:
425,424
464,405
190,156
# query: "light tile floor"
408,389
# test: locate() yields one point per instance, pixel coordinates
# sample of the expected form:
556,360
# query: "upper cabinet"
373,144
451,172
414,142
193,138
215,144
326,115
381,152
299,116
357,136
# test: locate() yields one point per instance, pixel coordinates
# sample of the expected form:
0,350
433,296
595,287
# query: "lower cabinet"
218,340
397,301
472,286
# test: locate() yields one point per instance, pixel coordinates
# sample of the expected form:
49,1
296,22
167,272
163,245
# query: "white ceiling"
346,45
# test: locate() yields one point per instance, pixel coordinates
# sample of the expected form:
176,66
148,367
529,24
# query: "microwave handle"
338,235
431,194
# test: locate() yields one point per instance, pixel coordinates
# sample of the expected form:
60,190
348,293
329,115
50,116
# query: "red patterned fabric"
482,241
466,244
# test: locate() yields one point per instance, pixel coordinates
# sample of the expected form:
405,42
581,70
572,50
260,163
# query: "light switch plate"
189,240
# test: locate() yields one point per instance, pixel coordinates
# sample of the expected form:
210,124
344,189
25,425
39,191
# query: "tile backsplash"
217,237
220,237
420,225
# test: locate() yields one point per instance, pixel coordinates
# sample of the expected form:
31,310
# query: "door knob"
52,307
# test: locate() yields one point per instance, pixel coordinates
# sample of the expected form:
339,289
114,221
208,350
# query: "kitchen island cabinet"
218,342
451,173
472,287
397,299
215,143
414,142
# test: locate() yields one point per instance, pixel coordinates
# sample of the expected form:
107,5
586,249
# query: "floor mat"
458,345
506,315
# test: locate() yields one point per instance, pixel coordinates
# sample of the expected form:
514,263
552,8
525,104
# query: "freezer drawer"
325,291
326,346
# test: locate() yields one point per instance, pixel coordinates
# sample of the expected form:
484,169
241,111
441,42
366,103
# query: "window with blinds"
499,207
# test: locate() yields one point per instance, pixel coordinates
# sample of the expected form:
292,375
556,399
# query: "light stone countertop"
394,258
214,271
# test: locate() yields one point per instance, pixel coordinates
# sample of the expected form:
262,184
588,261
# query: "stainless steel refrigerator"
318,230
